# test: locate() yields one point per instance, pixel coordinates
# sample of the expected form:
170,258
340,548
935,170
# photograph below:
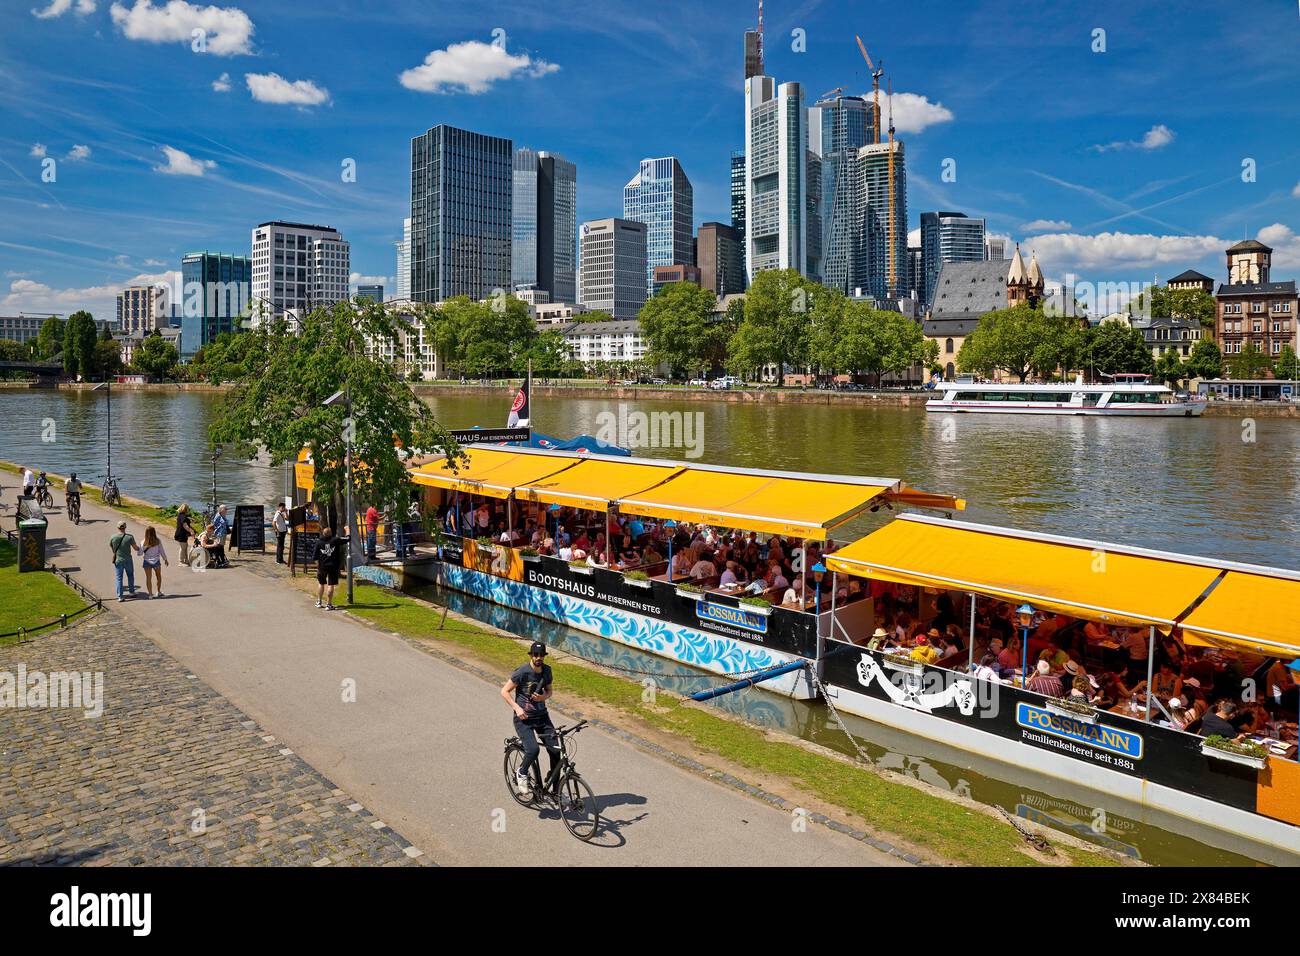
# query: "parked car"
697,382
658,381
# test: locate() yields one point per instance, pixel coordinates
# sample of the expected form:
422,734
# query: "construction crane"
835,92
893,236
875,89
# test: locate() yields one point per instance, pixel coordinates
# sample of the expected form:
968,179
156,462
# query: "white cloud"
1286,246
1120,250
222,83
273,88
78,153
914,237
38,150
470,67
181,163
356,279
154,262
913,113
58,8
1046,225
1156,137
1296,192
227,31
100,300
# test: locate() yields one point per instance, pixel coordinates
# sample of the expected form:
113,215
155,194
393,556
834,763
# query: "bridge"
42,370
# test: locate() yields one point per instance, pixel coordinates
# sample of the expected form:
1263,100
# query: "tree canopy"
155,356
676,325
1205,360
79,339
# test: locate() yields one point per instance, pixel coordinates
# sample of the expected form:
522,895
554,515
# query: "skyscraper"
661,196
404,261
297,267
776,173
738,190
947,237
141,309
373,292
216,290
995,247
544,241
613,267
882,236
720,256
461,188
837,129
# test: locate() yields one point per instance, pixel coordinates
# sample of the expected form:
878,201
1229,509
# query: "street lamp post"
216,453
1026,615
346,397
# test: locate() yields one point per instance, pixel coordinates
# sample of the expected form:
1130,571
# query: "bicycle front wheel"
578,807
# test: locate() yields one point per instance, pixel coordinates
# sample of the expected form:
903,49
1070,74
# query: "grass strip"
945,830
33,599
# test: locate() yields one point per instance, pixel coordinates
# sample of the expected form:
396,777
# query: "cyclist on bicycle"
72,489
527,691
42,487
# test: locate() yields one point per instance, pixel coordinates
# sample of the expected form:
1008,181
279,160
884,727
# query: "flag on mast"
519,411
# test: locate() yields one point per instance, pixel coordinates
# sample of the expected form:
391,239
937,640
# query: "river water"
1213,486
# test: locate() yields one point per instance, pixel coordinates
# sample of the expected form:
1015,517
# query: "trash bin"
31,544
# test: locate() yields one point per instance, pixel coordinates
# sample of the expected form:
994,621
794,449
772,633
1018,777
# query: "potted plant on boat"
1073,708
756,605
637,579
691,591
1245,752
485,544
581,567
530,554
901,662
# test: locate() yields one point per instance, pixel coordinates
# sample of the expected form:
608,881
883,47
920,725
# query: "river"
1212,486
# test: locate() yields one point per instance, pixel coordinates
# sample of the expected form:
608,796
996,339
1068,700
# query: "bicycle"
44,498
73,503
108,491
564,789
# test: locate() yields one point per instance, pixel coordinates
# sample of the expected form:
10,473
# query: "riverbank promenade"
420,747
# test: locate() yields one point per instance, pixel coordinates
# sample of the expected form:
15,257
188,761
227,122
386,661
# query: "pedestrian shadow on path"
63,858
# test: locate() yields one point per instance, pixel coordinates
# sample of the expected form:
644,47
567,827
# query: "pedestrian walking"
372,531
184,532
328,554
121,544
280,522
29,483
152,558
221,531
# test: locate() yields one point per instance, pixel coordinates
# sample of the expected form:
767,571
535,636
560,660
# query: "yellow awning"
1082,579
593,483
801,506
492,473
1257,612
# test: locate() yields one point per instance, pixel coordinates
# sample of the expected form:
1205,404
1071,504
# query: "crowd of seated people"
744,562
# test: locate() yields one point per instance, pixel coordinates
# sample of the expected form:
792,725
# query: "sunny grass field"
27,600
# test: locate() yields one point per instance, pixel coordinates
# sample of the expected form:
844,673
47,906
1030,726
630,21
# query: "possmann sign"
736,617
1121,743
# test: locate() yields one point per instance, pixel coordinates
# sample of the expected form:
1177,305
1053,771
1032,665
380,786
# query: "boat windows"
1135,398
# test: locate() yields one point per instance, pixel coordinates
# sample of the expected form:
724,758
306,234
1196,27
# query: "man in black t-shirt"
328,555
1219,721
527,691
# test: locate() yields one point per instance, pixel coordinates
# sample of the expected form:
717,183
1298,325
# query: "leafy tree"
106,358
1016,340
1194,304
277,405
49,341
1205,360
481,338
1287,364
675,325
857,338
1170,369
12,351
549,354
1113,348
776,328
1250,362
156,356
79,344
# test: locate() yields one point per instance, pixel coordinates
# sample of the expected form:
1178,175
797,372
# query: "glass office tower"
216,291
661,196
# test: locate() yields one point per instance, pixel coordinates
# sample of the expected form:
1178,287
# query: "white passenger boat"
1125,395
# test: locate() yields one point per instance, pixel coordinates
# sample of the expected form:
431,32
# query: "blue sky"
1114,166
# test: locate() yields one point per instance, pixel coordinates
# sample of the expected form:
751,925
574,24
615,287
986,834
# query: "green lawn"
30,599
945,830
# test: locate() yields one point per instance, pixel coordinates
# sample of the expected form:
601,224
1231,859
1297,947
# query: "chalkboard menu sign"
250,531
304,546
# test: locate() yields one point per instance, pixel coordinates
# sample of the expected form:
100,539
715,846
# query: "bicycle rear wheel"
578,807
514,759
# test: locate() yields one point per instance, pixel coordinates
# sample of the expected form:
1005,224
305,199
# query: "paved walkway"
421,745
170,773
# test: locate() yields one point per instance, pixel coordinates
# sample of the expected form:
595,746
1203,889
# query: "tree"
1113,348
276,407
1287,364
776,328
1250,362
858,338
1170,369
1191,304
106,358
481,338
12,351
49,341
1205,360
675,326
79,344
156,356
1017,340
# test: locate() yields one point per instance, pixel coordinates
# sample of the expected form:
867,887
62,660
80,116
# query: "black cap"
538,649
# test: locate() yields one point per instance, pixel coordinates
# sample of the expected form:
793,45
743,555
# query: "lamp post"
669,525
1026,615
216,453
345,395
819,571
556,509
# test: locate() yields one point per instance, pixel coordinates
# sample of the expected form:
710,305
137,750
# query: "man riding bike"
43,490
527,691
72,494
